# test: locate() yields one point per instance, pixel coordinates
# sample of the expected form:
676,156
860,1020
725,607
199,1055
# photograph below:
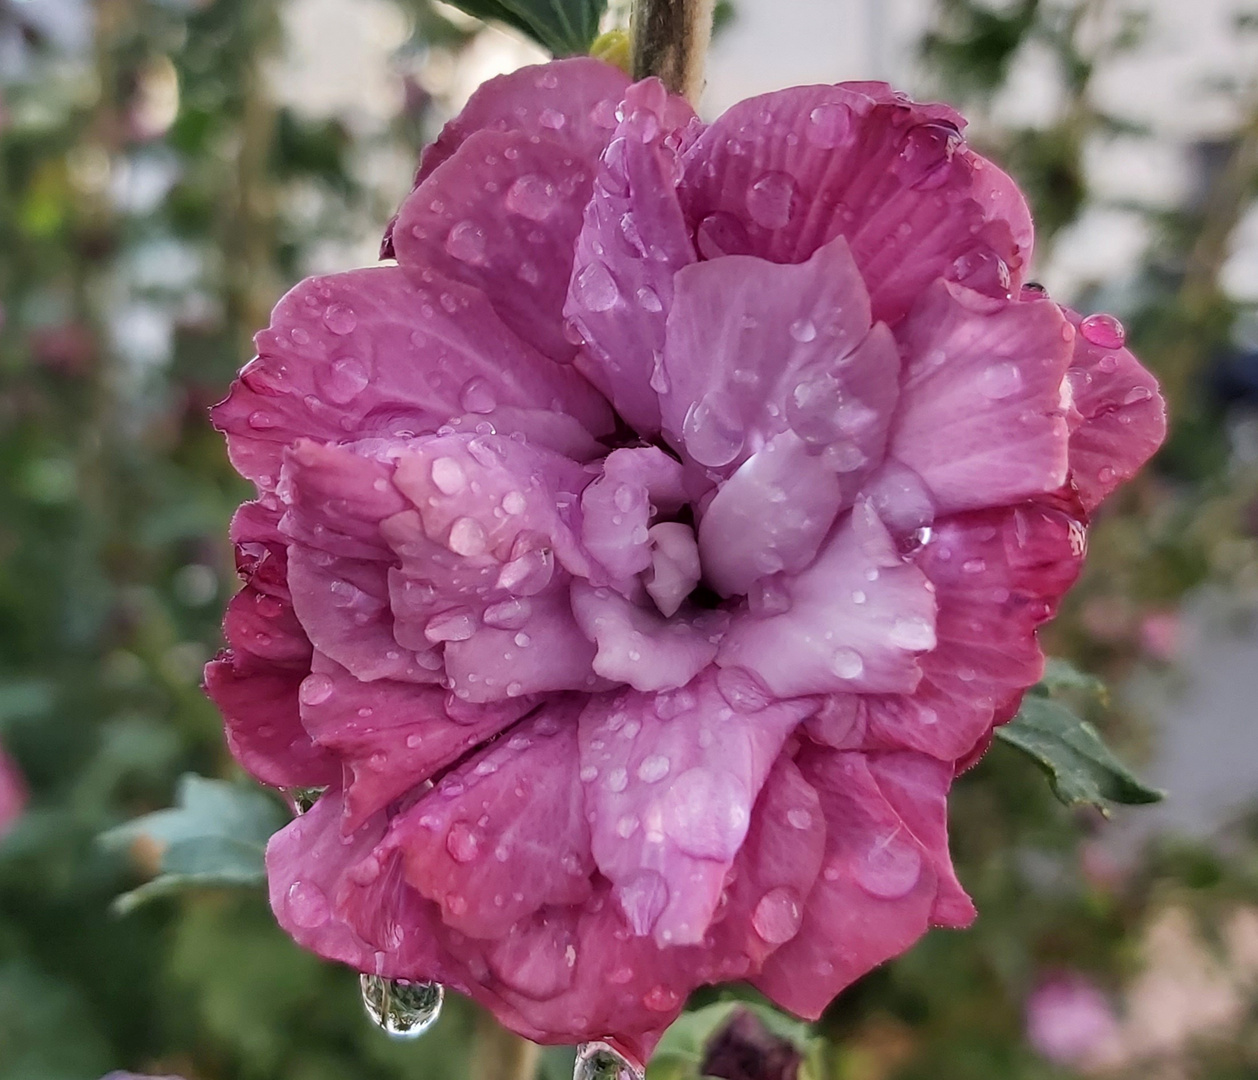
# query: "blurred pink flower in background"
12,793
637,560
1071,1022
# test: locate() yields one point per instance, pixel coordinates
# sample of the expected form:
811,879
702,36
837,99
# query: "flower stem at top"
670,40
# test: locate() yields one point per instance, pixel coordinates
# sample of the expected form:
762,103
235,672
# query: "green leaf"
1081,768
565,27
215,836
1061,675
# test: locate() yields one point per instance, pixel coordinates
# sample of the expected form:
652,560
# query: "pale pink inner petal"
857,619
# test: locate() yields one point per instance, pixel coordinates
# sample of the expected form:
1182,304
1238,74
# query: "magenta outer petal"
633,242
982,417
858,619
670,781
382,353
1121,417
877,891
779,863
504,834
998,575
503,215
781,175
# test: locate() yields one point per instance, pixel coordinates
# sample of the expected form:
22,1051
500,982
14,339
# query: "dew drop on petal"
340,318
595,288
315,689
653,768
770,199
712,439
914,635
448,476
467,537
1104,331
404,1010
1136,395
828,125
890,868
343,380
308,907
847,663
462,842
599,1061
777,916
804,330
477,396
467,242
1000,380
532,196
706,813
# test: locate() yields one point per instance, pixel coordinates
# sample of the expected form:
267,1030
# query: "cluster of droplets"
404,1010
600,1061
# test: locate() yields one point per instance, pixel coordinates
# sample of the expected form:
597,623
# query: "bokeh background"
169,167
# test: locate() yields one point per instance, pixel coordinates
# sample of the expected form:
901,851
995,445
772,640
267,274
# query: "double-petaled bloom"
638,559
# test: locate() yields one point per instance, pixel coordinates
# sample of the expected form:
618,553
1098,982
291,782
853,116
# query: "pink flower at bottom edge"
637,560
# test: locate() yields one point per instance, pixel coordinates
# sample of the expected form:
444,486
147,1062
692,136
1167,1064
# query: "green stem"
670,40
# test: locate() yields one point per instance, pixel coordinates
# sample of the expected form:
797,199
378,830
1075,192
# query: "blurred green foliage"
155,199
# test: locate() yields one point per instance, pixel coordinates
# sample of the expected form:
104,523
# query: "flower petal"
981,416
752,348
857,619
781,175
1122,417
504,834
633,242
873,899
391,737
502,214
637,646
667,846
998,575
380,353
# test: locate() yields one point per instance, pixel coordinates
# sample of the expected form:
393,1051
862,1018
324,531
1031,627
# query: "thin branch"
670,40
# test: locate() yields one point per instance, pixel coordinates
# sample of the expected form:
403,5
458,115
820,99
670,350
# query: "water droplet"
261,421
1104,331
847,663
303,798
706,812
798,818
599,1061
466,243
713,439
508,614
552,118
308,907
477,396
770,199
448,476
340,318
462,843
890,868
913,635
528,574
649,300
315,689
457,624
1000,380
404,1010
1136,395
661,999
741,690
596,288
829,125
653,768
778,915
467,537
804,330
533,196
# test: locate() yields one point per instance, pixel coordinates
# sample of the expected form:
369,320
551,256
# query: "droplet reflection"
599,1061
404,1010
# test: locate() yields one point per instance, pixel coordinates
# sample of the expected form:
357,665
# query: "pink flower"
12,793
1070,1022
636,561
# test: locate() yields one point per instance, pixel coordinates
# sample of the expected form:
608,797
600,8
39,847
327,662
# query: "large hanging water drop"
599,1061
303,798
404,1010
